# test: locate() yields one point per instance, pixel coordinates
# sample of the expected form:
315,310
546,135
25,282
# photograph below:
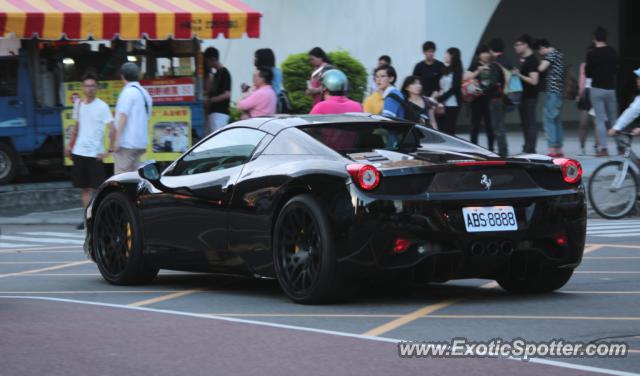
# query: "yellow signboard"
169,133
108,91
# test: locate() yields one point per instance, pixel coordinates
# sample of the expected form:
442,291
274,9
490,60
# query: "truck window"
8,78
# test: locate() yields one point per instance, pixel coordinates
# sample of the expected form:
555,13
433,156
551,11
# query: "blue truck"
31,102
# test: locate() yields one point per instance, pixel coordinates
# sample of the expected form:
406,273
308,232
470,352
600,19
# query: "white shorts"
217,120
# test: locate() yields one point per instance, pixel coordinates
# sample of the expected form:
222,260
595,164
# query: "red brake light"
366,176
401,245
571,169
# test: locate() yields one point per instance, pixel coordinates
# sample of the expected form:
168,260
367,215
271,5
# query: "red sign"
171,89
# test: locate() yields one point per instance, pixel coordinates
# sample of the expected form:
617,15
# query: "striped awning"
127,19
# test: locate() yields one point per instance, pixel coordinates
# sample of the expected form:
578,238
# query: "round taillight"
366,177
571,170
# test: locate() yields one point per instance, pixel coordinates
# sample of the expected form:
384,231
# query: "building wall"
365,28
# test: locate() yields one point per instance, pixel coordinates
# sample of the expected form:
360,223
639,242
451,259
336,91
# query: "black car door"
186,226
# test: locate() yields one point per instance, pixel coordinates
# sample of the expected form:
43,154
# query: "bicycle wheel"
613,189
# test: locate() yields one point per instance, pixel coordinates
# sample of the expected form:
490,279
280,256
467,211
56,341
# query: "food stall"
60,41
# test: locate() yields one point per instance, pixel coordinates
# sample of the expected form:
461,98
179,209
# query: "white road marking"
554,363
58,234
41,240
613,228
4,244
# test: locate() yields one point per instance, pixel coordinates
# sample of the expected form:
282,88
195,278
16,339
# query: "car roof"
275,124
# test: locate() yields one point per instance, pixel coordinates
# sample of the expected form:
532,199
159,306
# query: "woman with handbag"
480,70
450,94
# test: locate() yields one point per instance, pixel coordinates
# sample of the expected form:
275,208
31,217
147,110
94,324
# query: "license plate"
490,218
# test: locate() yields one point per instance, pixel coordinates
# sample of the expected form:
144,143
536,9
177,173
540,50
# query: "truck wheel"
8,163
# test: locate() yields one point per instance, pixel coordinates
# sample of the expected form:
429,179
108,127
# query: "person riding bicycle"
630,114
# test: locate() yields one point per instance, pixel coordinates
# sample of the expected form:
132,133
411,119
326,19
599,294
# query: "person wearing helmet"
334,88
630,114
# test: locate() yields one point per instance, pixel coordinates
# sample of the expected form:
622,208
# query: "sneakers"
602,153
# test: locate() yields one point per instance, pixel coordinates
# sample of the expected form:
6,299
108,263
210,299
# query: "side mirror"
150,172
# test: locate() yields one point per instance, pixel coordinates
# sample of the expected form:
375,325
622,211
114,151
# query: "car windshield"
358,137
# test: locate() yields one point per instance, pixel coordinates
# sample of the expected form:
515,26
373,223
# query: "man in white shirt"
630,114
133,110
86,146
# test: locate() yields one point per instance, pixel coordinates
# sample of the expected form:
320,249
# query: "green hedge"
296,71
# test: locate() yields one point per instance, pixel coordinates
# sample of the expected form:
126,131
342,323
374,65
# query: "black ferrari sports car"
322,202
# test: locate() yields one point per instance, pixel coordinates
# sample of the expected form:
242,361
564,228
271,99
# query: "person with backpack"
480,70
501,72
554,70
386,77
334,86
264,57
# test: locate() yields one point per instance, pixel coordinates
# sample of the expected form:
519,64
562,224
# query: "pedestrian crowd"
432,95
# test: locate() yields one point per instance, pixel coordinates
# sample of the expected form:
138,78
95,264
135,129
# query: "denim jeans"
605,105
551,119
529,125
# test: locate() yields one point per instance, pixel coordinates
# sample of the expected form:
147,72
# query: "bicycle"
614,186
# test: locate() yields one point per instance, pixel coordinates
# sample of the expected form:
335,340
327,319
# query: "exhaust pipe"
477,249
493,249
506,248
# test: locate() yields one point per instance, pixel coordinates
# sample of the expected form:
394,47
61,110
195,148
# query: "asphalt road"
200,324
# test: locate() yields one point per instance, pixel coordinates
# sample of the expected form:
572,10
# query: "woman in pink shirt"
261,100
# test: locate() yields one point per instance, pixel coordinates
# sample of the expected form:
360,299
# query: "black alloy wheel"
304,254
118,244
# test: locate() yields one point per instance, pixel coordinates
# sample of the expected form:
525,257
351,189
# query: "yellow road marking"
403,320
517,317
32,262
591,247
617,246
329,315
597,292
605,272
165,297
33,271
88,292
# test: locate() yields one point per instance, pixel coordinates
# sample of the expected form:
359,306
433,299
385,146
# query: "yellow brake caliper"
129,239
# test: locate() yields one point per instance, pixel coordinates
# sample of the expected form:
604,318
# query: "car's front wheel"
117,242
540,280
304,253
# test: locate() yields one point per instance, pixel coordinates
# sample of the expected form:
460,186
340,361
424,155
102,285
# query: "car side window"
227,149
8,78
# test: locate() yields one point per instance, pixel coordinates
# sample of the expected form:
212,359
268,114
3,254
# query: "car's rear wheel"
117,242
538,280
304,253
